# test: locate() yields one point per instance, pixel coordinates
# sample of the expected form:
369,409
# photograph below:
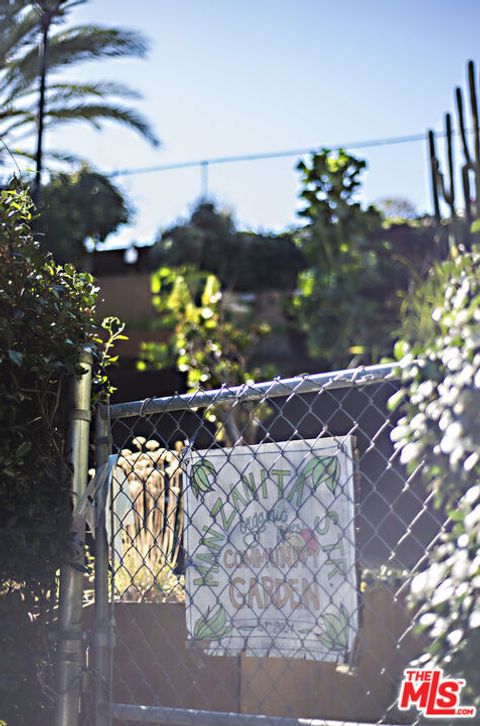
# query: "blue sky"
227,77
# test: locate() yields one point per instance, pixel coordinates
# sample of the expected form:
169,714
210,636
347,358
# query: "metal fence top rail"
191,717
361,376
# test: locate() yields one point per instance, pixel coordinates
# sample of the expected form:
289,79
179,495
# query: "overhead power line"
284,154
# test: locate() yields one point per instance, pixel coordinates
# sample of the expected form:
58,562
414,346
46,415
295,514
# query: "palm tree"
26,30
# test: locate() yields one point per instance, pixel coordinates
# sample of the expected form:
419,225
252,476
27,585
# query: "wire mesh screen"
262,544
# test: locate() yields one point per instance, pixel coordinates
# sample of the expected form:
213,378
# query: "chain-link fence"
261,544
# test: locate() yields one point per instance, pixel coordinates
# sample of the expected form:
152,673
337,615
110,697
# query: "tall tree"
243,261
79,207
349,296
21,40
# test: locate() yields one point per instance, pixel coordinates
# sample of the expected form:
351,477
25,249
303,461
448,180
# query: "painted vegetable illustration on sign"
203,475
212,626
334,635
323,469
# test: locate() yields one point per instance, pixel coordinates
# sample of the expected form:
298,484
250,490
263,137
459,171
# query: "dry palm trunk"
155,482
173,523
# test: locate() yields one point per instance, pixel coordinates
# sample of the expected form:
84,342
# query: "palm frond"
63,156
8,112
62,92
23,125
95,114
14,121
17,30
72,46
20,40
7,151
96,41
67,157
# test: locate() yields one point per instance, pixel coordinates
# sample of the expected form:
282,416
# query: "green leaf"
475,226
335,633
400,349
212,627
395,400
323,469
326,641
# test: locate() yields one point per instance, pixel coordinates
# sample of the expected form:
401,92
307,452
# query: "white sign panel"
270,552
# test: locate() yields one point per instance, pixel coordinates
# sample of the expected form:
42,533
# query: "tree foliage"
440,430
66,101
350,293
46,319
211,344
242,261
397,209
79,208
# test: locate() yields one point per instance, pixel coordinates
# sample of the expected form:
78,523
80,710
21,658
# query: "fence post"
102,619
70,648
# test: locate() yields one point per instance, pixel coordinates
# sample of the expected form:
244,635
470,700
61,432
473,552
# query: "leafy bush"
349,295
46,319
77,208
242,261
210,343
441,428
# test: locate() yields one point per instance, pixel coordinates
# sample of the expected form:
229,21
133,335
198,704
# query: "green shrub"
46,319
212,344
242,261
79,207
441,431
350,291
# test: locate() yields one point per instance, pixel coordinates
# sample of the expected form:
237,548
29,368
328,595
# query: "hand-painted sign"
270,549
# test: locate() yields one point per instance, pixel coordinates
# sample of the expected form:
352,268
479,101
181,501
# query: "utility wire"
205,163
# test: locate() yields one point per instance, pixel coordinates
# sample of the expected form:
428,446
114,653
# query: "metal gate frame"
105,711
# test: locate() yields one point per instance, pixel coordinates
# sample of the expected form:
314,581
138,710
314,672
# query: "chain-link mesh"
262,543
